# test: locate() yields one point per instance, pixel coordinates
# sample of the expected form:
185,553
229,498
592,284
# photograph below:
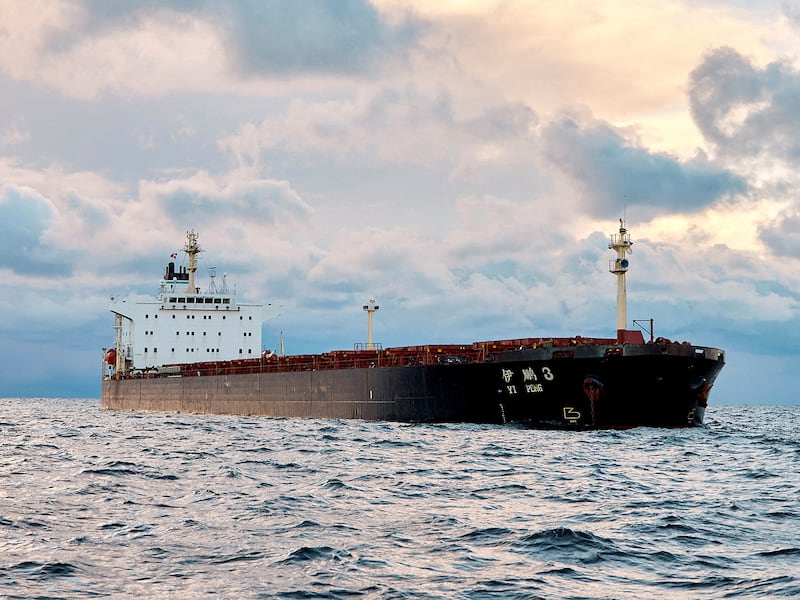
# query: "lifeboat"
111,357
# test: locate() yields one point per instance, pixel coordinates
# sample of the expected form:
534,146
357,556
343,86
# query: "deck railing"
434,354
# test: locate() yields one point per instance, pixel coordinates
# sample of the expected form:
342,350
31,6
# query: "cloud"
792,12
279,38
749,115
102,235
744,110
25,217
203,199
14,135
87,47
782,235
315,36
613,172
393,125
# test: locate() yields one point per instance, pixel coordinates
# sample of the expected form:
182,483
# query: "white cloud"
393,125
465,172
15,135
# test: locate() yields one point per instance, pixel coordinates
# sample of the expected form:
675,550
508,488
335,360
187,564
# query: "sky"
463,163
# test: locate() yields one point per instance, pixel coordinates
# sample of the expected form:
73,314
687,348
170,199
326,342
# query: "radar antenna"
212,274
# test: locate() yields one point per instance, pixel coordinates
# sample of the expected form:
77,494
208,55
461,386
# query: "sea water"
105,504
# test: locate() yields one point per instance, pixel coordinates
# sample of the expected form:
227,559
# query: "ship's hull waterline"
595,386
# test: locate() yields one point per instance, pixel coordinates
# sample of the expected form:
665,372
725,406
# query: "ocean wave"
103,504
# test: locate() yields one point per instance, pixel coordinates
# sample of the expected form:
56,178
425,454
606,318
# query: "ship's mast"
370,307
119,361
621,243
192,249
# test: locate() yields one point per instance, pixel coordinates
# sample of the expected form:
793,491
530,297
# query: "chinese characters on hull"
530,383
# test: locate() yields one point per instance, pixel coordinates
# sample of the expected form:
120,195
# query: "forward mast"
621,243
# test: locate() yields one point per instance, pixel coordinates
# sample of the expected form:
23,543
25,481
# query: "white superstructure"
184,324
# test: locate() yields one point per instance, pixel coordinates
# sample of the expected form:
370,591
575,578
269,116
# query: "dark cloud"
313,36
263,201
614,174
746,111
24,217
749,112
783,235
281,37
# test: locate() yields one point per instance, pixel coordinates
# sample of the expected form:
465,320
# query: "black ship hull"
593,386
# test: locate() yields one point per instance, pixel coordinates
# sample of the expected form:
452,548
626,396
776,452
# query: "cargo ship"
193,351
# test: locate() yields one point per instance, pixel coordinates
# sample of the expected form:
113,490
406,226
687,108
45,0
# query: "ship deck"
430,354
